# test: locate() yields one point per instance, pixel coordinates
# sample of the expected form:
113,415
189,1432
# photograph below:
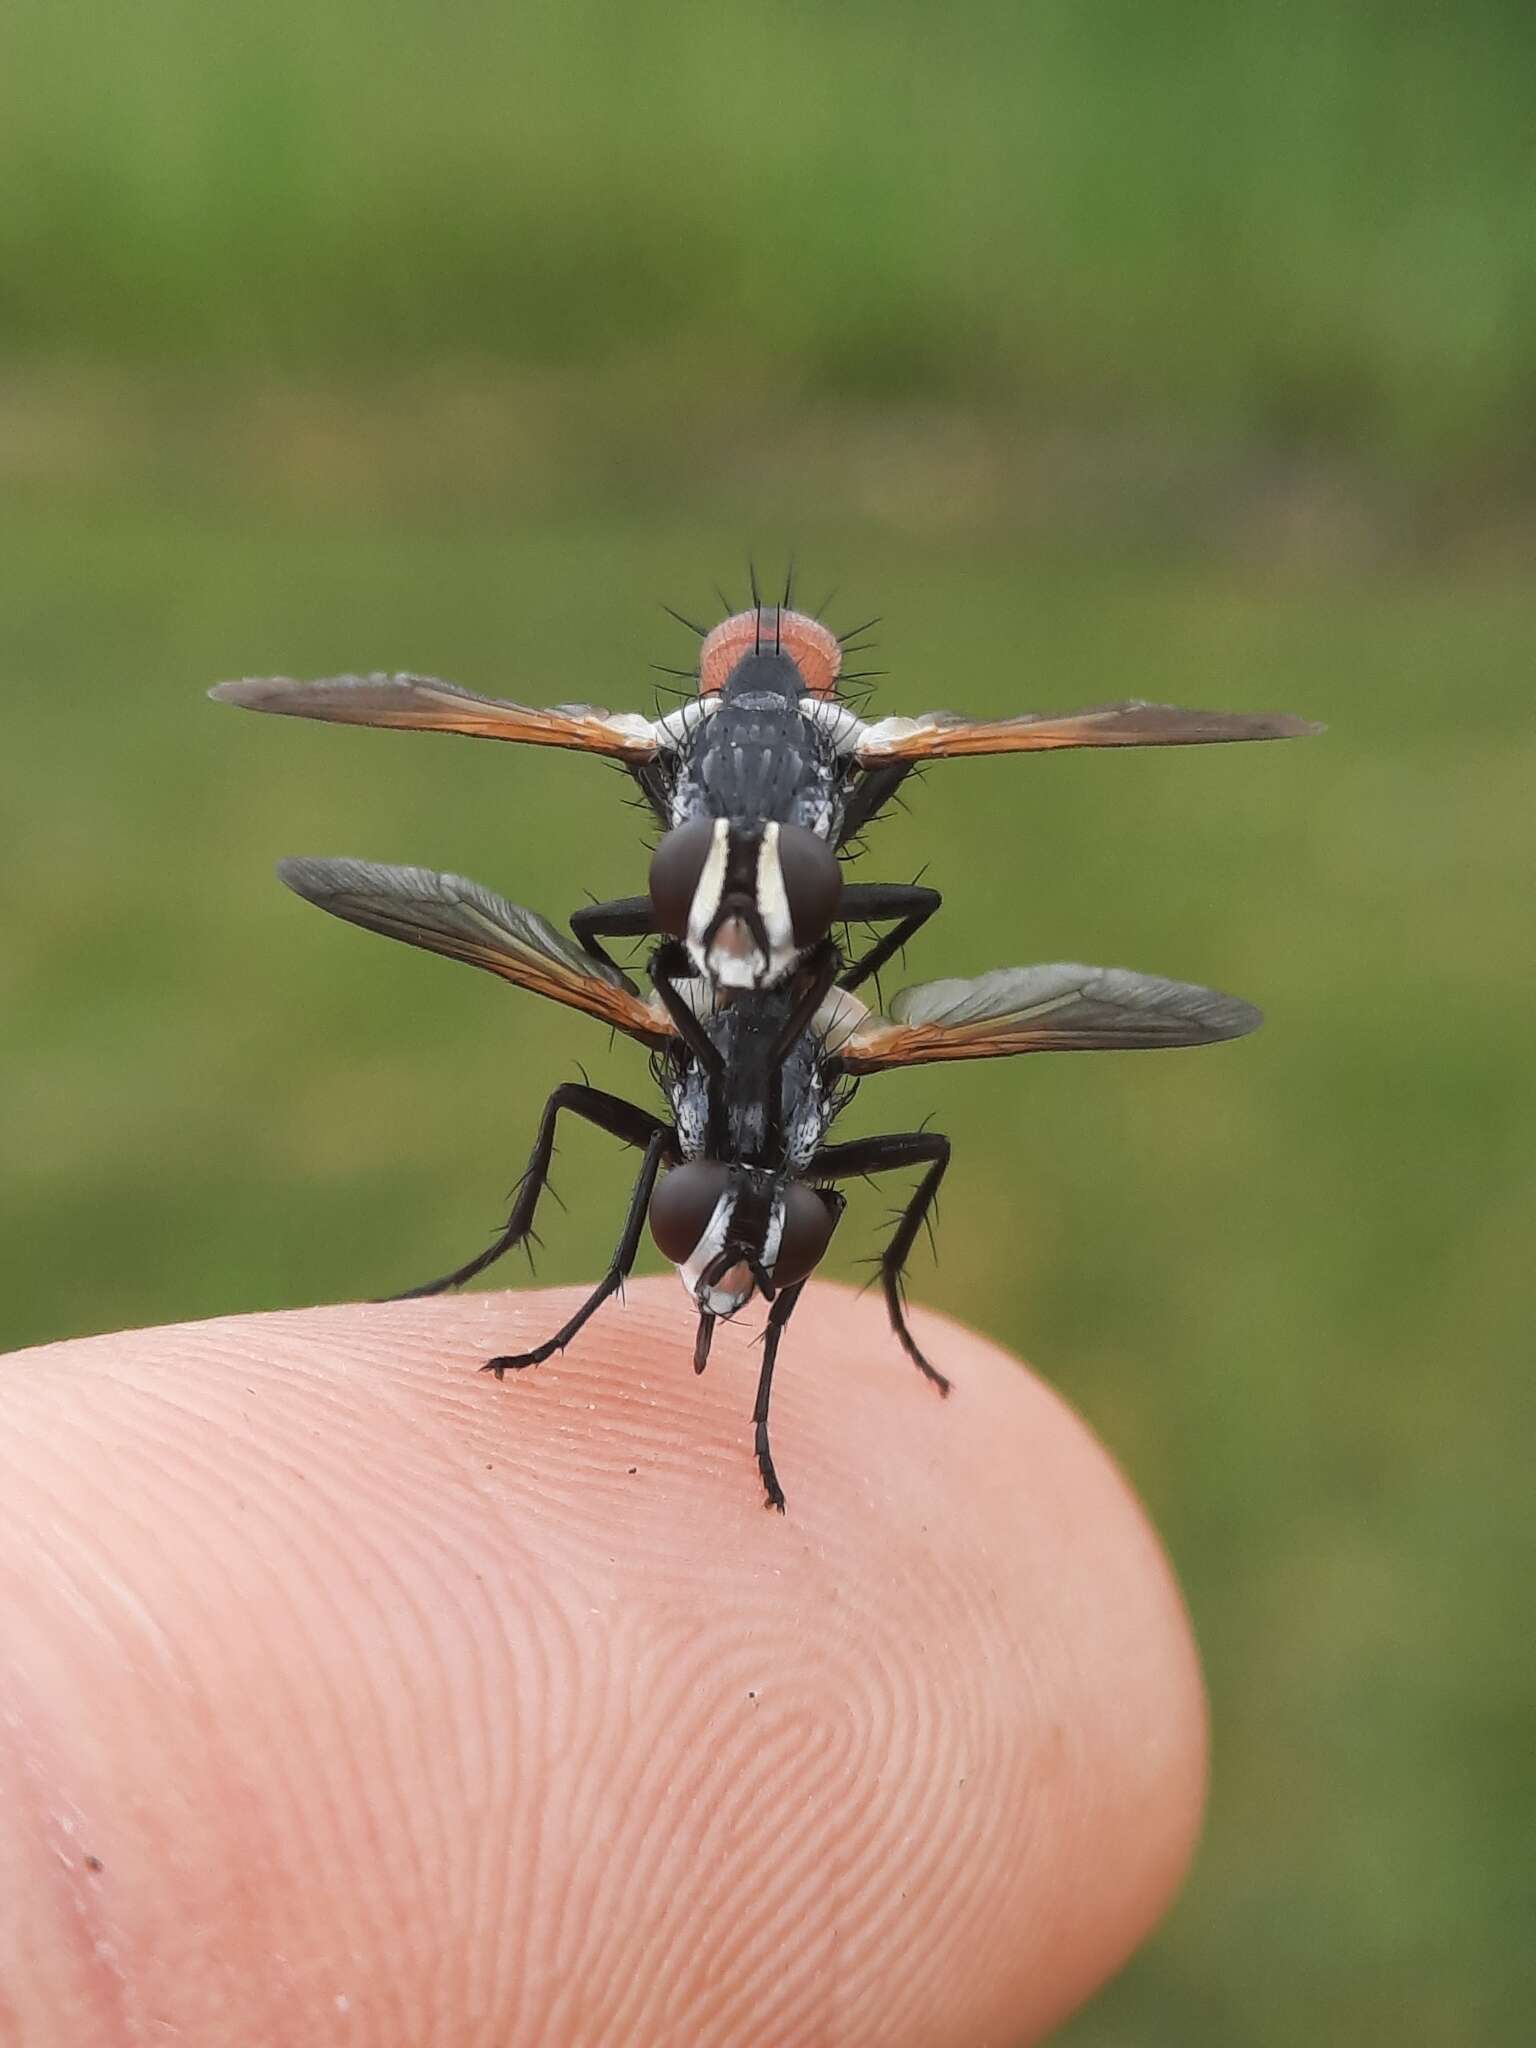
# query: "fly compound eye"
677,868
682,1206
808,1225
813,882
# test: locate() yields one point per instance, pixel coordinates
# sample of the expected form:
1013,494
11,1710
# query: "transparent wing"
446,914
422,704
1060,1008
937,735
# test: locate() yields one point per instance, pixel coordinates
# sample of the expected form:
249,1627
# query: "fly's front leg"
886,1155
873,903
783,1308
610,1113
626,917
670,966
656,1151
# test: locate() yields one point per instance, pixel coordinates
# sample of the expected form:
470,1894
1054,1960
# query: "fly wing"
937,735
446,914
1060,1008
422,704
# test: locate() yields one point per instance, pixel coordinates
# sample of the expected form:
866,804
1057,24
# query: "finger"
351,1696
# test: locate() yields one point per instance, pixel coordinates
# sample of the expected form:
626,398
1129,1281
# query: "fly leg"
625,917
610,1113
870,798
618,1272
783,1308
670,966
873,902
886,1155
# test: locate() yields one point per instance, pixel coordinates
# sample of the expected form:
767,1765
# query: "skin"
348,1697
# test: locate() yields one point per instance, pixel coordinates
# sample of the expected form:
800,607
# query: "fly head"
735,1231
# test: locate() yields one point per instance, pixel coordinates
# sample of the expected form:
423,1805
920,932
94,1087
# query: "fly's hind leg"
886,1155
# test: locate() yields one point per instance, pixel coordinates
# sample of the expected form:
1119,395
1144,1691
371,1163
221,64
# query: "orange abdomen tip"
767,629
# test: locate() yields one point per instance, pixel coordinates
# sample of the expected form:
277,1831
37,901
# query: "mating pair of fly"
760,783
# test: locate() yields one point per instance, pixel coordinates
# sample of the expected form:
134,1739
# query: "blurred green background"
1177,351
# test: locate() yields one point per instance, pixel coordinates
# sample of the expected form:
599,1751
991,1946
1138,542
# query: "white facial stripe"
706,897
710,1245
773,902
730,958
718,1301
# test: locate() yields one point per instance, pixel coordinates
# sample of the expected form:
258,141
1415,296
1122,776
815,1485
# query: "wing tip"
311,876
245,690
1232,1017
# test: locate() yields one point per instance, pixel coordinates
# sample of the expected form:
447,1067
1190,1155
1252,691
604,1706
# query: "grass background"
1182,352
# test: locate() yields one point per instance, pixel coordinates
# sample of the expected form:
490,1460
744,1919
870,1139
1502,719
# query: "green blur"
1104,350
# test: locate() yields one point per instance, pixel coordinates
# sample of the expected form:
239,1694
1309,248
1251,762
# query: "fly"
759,783
739,1182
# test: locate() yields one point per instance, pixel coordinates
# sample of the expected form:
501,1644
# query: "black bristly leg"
872,903
887,1155
783,1308
871,796
618,1271
820,967
664,979
610,1113
625,917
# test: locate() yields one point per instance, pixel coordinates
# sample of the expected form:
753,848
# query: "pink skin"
347,1696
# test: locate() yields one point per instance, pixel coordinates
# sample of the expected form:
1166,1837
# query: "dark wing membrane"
937,735
446,914
1061,1008
422,704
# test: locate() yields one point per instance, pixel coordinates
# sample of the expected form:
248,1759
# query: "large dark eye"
813,882
676,866
807,1229
682,1206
